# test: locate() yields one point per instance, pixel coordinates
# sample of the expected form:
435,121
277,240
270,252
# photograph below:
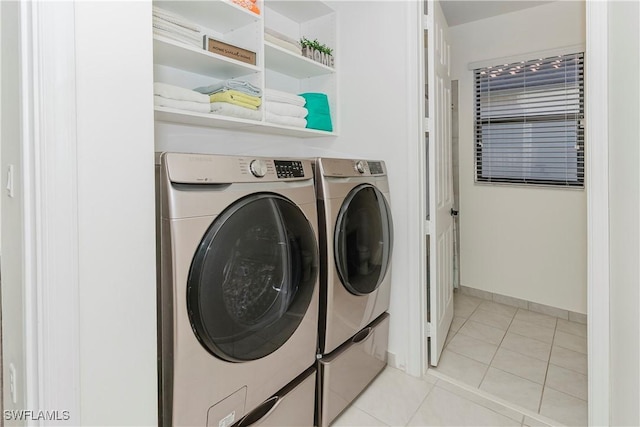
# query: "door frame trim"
597,187
49,143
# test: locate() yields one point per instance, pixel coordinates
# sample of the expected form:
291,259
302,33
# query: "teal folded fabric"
319,115
319,121
316,102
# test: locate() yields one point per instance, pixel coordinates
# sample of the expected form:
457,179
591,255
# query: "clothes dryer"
238,283
356,240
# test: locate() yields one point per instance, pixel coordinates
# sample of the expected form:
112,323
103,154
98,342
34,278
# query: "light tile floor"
398,399
501,366
528,359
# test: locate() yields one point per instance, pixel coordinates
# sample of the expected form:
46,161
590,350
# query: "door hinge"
427,330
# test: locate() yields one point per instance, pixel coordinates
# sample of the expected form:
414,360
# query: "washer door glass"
363,240
252,278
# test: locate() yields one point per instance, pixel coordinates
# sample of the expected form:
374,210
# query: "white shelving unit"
276,68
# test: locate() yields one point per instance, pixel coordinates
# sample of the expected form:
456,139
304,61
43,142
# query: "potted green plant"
317,51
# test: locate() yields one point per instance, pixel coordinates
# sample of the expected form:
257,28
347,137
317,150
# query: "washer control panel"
289,168
189,168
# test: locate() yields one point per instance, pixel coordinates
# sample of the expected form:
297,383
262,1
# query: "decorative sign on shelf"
316,51
229,50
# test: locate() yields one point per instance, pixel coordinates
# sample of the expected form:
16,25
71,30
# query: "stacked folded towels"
283,41
319,115
284,108
235,98
166,95
175,27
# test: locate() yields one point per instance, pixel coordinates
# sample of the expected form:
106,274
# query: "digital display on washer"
289,168
375,168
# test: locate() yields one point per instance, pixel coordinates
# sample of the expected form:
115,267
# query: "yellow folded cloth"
234,102
238,98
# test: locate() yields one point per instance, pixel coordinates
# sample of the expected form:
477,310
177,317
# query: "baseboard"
527,305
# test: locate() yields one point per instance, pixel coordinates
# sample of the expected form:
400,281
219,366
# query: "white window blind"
529,122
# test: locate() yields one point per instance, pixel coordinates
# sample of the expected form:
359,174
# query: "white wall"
378,72
374,83
624,211
528,243
116,214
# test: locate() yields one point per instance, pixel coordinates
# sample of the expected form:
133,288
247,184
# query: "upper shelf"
223,15
185,57
292,64
300,11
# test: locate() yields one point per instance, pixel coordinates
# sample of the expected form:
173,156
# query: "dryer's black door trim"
363,240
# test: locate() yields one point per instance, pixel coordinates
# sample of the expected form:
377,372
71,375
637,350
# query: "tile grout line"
466,319
422,402
568,394
544,383
516,375
497,349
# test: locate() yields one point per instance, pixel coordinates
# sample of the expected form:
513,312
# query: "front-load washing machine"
356,240
238,283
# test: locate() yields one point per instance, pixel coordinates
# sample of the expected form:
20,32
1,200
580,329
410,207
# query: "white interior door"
440,224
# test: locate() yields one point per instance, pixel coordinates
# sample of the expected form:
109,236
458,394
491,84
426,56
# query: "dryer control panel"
376,168
344,168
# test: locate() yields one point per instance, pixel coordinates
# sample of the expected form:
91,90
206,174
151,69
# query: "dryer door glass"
363,240
252,278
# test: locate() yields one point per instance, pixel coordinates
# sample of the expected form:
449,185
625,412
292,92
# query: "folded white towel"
280,36
180,105
287,98
227,109
283,44
176,29
175,18
177,37
285,120
179,93
282,109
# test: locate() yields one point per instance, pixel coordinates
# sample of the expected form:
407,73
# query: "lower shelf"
172,115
